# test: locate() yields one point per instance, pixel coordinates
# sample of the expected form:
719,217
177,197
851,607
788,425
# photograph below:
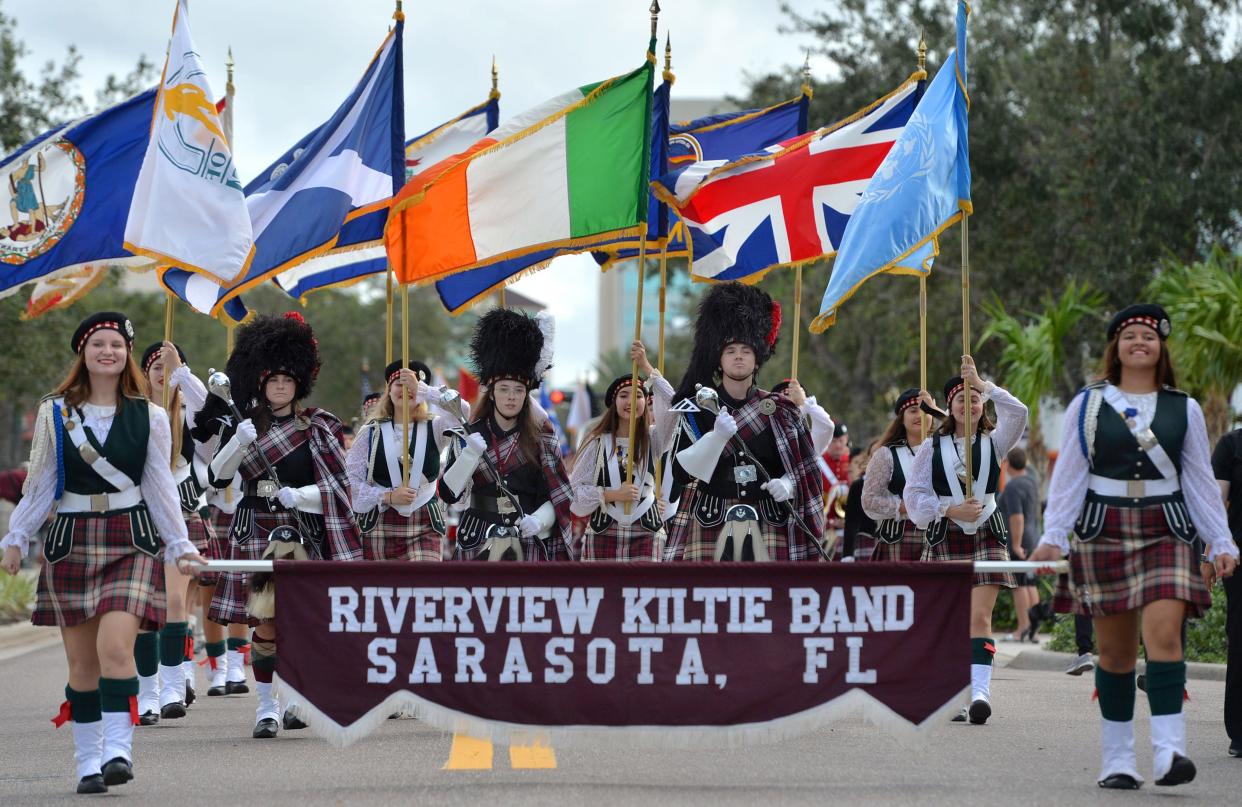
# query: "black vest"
940,482
1117,454
125,448
897,482
431,460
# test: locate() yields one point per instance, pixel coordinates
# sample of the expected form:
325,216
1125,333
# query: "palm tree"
1032,359
1204,301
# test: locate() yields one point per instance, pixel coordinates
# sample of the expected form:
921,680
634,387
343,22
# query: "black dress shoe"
1235,749
292,722
1119,781
148,719
1140,681
117,771
1180,772
265,729
92,784
235,688
213,692
960,717
980,711
190,697
171,711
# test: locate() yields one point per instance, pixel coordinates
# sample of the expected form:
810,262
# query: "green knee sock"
1116,694
85,705
982,651
215,649
237,644
114,693
147,653
172,643
1166,684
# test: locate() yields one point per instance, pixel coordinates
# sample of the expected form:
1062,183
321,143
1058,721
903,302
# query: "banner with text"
673,655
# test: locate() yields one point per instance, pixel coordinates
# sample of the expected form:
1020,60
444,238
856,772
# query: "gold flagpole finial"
655,16
495,79
922,49
398,14
806,74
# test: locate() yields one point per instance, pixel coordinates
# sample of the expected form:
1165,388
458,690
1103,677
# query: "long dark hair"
611,422
1110,365
949,424
895,431
530,433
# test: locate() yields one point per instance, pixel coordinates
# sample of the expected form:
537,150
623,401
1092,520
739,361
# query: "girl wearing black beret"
897,537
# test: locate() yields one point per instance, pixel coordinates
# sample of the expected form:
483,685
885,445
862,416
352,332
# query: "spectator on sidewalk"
1020,503
1227,468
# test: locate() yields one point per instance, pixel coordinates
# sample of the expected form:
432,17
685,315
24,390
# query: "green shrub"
17,596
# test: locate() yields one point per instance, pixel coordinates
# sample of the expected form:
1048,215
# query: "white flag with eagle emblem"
188,207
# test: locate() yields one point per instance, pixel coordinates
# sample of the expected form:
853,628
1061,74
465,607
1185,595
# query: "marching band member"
100,459
728,511
961,528
897,537
525,514
302,513
821,424
598,478
400,522
1134,485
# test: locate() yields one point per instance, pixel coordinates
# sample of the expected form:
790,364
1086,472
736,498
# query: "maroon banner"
672,654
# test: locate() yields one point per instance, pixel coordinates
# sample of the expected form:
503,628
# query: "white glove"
530,526
427,394
725,425
780,488
246,432
476,444
288,497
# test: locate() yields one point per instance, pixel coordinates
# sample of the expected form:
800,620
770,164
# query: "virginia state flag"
188,207
66,194
348,263
921,189
789,203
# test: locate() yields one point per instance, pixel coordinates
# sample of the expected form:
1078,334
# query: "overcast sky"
296,61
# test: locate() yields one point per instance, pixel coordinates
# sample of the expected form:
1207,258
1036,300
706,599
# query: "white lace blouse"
158,489
1068,489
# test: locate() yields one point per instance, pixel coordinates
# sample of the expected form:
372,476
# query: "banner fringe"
645,737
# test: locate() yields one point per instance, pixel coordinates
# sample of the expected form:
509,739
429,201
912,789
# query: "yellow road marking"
538,754
469,754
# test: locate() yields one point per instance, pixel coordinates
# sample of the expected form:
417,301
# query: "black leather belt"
500,505
264,488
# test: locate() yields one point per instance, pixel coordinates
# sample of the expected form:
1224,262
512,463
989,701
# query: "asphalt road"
1039,748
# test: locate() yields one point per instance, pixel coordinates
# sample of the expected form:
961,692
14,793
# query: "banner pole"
388,316
968,391
797,321
659,460
924,418
405,398
168,335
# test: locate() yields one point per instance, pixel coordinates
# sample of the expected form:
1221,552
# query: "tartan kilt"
909,548
201,534
677,527
620,542
1135,560
694,542
103,572
396,537
983,545
531,551
228,604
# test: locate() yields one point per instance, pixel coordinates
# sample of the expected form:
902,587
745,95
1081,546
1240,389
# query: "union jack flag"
789,203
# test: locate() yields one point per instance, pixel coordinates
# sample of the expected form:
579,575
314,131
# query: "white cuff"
459,473
17,540
1218,549
546,515
176,549
308,499
700,459
1061,542
227,460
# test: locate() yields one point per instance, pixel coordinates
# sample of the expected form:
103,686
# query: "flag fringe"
856,702
530,270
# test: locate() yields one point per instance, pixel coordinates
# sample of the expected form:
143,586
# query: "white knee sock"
172,685
219,669
187,669
118,736
268,706
1117,749
235,666
148,693
88,747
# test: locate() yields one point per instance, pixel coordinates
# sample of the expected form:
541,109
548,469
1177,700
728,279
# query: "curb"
1050,661
20,638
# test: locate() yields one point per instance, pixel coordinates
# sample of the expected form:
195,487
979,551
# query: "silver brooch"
767,406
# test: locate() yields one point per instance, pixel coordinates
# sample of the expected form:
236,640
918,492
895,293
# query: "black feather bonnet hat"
730,313
509,345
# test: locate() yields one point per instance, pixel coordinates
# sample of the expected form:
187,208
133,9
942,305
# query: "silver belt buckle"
505,507
1136,488
266,488
99,502
744,474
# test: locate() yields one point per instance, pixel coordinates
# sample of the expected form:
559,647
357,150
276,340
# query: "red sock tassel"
133,709
1095,694
64,715
189,647
245,651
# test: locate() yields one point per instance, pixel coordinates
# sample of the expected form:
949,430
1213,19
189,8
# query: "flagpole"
968,391
405,393
168,334
659,460
924,418
797,317
495,93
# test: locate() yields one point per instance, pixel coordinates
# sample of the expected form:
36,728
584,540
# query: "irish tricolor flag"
566,175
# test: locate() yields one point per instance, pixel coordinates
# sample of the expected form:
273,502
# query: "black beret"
421,370
952,387
620,381
102,321
906,400
839,430
1149,314
152,353
371,396
780,386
